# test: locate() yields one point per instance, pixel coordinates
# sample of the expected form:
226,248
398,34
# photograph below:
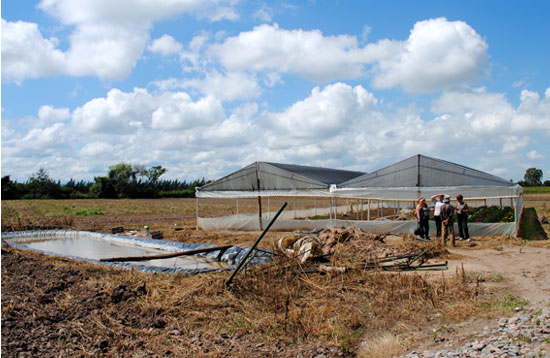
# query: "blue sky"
206,87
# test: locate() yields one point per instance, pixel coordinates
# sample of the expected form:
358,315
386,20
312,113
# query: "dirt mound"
55,307
354,241
530,227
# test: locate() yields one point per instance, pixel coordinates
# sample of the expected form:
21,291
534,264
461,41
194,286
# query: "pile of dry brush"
280,309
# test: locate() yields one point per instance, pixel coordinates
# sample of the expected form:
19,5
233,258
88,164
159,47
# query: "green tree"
103,188
40,185
9,189
533,177
154,173
121,175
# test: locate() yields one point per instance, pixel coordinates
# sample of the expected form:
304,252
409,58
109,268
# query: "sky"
205,87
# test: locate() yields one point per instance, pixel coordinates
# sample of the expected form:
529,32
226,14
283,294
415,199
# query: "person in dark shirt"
423,217
462,218
447,212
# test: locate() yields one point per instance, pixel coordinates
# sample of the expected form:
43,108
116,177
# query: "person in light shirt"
438,203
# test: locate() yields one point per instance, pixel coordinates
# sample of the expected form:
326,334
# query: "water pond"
95,246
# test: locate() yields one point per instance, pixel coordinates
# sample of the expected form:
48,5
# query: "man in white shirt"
438,203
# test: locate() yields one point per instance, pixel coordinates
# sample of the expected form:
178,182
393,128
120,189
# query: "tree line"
533,177
122,181
135,181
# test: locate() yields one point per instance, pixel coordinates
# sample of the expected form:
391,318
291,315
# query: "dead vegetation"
54,306
281,309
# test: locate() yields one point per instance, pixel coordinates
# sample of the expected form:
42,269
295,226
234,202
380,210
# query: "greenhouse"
381,201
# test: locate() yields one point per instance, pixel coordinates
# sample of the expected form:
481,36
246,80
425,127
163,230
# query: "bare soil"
55,307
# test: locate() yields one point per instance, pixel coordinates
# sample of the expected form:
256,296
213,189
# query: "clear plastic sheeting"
263,193
250,222
397,186
230,258
493,193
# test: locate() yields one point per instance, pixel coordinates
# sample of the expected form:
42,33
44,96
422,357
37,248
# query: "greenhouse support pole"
237,207
361,209
294,206
260,211
315,206
515,212
368,212
197,213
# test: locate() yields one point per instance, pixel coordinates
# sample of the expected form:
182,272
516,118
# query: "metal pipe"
253,247
166,256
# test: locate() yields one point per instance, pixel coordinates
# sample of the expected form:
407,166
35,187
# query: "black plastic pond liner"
232,256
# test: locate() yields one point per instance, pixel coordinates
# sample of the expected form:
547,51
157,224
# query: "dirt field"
55,307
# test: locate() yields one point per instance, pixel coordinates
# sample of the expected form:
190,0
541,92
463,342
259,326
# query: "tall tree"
103,188
121,175
533,177
9,189
154,173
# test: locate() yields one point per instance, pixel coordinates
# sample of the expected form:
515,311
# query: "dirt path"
524,271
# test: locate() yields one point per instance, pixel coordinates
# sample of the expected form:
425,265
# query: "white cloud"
265,13
325,112
225,87
533,155
178,112
438,54
512,143
26,54
132,12
165,45
118,114
490,113
335,126
49,114
108,37
307,53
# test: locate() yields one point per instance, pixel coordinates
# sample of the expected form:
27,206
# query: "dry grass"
285,302
282,302
385,345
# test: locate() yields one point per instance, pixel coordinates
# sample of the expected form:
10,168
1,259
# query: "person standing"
438,203
447,212
423,218
462,218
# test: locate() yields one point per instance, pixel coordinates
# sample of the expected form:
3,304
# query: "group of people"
443,213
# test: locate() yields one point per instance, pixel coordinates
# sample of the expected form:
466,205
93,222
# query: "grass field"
537,190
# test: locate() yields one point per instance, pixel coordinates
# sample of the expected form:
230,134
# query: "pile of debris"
352,245
350,240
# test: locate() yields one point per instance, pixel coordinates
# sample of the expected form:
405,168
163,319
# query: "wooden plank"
166,256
